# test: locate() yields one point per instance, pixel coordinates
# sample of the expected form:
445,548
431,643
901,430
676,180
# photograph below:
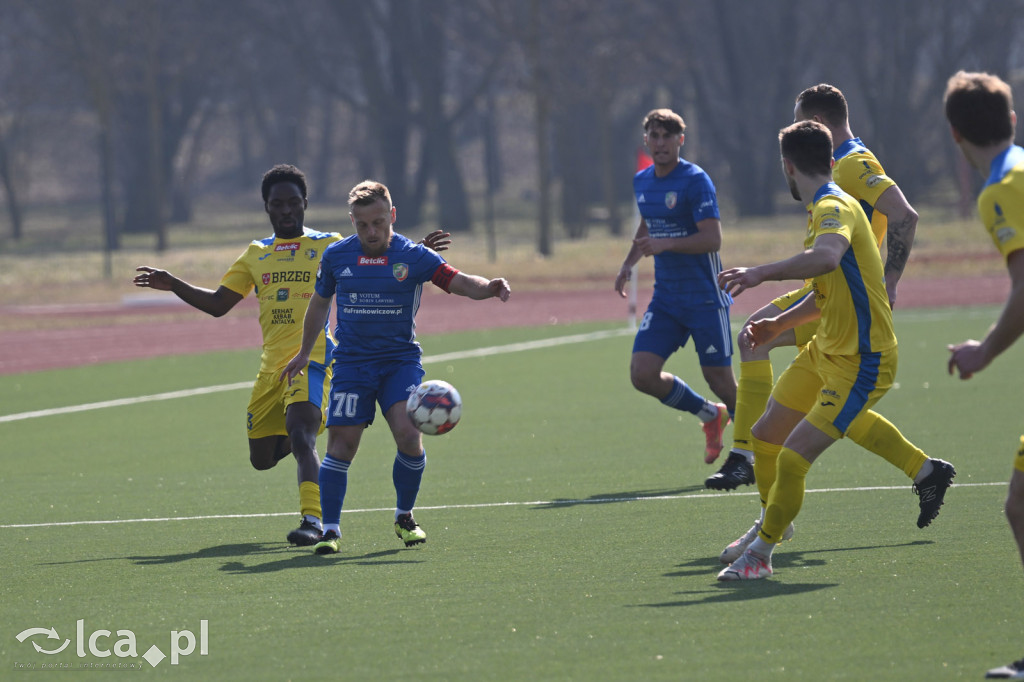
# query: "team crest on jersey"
266,278
401,271
310,253
671,199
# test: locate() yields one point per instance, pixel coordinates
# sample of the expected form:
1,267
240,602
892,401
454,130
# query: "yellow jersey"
859,174
855,313
1001,202
283,272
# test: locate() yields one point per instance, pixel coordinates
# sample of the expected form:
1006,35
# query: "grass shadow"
308,559
612,498
746,590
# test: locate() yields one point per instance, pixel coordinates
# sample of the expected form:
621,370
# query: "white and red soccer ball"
434,407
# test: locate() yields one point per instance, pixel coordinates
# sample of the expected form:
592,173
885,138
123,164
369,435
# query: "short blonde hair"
367,192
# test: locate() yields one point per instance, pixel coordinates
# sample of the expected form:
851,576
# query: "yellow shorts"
805,331
1018,461
270,399
833,389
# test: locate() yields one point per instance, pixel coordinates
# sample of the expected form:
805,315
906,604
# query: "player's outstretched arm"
973,356
212,302
763,331
438,240
312,327
479,288
823,257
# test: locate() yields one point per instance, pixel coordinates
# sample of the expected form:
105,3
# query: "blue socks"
407,474
682,397
333,484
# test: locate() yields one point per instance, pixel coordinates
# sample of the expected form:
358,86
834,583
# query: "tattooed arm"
902,219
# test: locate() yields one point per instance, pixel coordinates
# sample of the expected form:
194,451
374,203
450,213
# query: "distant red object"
643,160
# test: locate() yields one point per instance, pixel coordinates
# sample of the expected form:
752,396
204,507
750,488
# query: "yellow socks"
875,433
766,457
787,495
309,499
754,388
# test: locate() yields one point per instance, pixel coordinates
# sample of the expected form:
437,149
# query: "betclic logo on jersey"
373,260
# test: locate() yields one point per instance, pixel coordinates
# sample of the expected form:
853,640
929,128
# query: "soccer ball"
434,407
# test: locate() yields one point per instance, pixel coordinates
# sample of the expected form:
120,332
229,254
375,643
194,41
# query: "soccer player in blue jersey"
859,174
979,108
681,230
847,366
377,276
281,269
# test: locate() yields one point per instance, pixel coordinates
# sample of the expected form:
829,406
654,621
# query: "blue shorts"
357,389
665,328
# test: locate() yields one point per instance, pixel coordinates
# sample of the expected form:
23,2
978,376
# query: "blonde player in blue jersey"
851,361
377,277
681,230
858,173
282,271
979,108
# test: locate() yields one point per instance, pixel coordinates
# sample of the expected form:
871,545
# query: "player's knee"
1014,510
263,460
645,383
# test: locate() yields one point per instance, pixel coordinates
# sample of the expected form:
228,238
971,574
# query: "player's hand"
890,292
294,368
620,280
152,278
737,280
967,357
760,332
438,240
499,288
649,246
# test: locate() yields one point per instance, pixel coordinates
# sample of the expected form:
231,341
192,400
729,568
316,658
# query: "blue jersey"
672,206
377,297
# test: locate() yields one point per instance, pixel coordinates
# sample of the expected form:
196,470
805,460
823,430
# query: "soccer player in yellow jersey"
849,363
859,174
979,108
282,270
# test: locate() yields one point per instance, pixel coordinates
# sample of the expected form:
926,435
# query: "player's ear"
394,214
682,138
957,137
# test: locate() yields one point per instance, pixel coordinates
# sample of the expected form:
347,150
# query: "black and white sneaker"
308,533
932,491
1014,671
735,472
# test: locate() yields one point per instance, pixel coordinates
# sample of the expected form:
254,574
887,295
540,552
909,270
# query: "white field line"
483,505
427,359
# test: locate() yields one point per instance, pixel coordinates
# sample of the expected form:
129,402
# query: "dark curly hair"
283,172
